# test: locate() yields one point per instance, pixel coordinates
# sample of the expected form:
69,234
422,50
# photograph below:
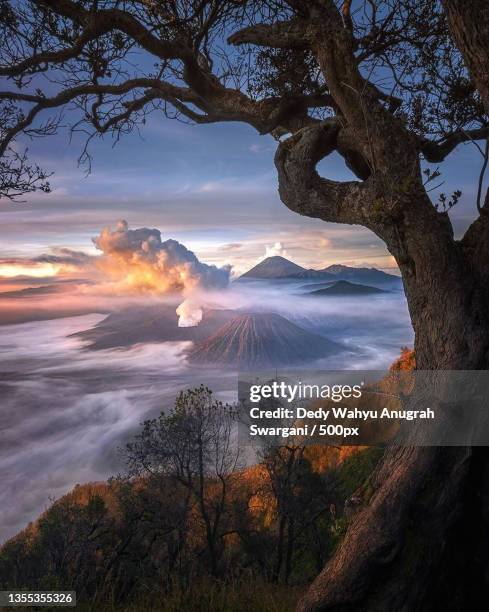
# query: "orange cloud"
137,261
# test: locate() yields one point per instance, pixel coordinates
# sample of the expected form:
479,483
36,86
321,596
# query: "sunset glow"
37,270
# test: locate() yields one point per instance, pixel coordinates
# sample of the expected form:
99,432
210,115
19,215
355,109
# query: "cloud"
66,409
138,261
258,147
132,263
275,249
58,261
65,256
143,262
325,242
232,246
14,267
210,187
84,415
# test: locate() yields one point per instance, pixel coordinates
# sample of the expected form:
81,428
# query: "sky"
212,187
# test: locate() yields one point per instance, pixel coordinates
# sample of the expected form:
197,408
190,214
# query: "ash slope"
154,323
262,340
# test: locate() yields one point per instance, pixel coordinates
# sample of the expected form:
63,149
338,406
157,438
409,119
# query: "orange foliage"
405,362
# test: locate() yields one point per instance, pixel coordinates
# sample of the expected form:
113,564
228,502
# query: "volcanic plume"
137,261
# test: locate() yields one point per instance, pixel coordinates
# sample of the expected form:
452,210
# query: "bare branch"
112,19
435,152
481,178
70,94
95,29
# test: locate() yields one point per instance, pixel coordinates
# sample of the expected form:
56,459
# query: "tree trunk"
280,550
400,546
290,549
420,543
416,543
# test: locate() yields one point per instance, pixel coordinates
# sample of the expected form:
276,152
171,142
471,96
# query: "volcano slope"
262,340
154,323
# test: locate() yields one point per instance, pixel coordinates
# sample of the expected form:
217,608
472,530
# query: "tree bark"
469,26
396,548
420,542
413,529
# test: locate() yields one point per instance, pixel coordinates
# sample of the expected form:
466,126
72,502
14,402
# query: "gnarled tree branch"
436,152
304,191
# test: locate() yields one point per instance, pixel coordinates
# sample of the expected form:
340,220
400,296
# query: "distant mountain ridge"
367,275
346,288
278,267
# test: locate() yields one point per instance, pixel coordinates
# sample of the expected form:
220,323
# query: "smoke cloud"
275,249
138,261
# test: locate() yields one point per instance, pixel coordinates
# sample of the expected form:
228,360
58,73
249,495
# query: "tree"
64,549
301,500
381,82
192,447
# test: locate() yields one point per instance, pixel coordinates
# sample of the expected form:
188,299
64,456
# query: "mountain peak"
262,340
274,267
278,258
337,268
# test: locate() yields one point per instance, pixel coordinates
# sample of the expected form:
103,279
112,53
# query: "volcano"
262,340
278,267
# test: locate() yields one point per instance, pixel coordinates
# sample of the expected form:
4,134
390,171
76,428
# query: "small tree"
193,447
301,497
